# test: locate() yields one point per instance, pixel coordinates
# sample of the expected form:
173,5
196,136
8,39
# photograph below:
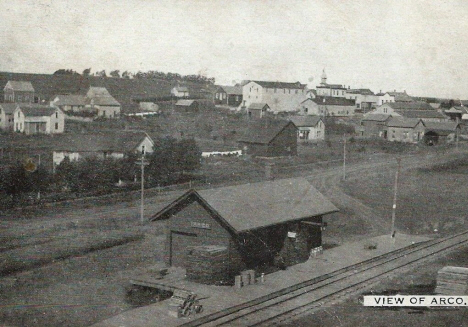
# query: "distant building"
187,105
374,125
405,130
400,96
19,92
364,99
180,92
229,95
102,101
69,102
441,132
328,106
280,96
330,90
383,98
456,112
38,119
310,128
101,145
270,138
257,110
6,116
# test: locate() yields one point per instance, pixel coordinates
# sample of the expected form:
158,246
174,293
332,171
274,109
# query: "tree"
126,74
115,73
15,181
87,72
102,73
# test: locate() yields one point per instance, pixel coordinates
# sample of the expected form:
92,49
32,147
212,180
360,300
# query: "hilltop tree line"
151,74
171,162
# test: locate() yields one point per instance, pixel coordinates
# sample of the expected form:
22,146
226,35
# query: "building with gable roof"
38,119
310,128
6,116
19,92
264,223
280,96
257,110
408,130
180,91
100,100
229,95
69,102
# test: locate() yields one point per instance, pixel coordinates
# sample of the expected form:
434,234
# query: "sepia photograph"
286,163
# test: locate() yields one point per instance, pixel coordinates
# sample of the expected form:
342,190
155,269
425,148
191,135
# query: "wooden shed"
270,138
258,224
187,105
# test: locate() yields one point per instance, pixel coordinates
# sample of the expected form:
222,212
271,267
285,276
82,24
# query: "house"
187,105
414,109
330,90
270,138
425,115
102,145
6,116
38,119
364,99
310,128
383,98
456,112
408,130
270,223
69,102
257,110
103,103
441,132
280,96
228,95
332,106
400,96
374,125
19,92
180,91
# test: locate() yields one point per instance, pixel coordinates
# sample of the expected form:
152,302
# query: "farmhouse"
405,130
270,138
18,91
310,128
257,110
280,96
267,223
69,102
101,145
229,95
38,119
374,125
180,91
6,116
101,101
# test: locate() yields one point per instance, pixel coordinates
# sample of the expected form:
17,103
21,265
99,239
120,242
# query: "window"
56,114
56,126
217,96
143,149
20,98
385,110
18,113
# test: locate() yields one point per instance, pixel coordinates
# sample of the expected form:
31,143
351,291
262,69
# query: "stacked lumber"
207,264
452,281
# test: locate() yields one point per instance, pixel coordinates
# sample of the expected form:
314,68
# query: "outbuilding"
269,223
187,105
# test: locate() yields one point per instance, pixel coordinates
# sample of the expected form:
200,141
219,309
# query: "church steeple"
324,78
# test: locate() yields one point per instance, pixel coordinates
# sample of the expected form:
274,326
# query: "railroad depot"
217,233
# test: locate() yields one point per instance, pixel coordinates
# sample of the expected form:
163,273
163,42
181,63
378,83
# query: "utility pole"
143,163
395,198
344,157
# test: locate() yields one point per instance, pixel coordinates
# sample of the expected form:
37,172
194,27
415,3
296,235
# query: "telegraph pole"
344,157
395,198
143,163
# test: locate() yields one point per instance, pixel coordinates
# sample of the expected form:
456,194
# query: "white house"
327,106
180,91
101,100
364,99
38,119
330,90
279,96
101,145
310,128
383,98
6,115
69,102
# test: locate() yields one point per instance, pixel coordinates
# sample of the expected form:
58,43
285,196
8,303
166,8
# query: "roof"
236,90
400,96
457,110
360,91
256,205
181,88
403,122
333,101
305,121
20,86
8,107
281,85
95,91
111,141
70,100
264,131
376,117
36,110
330,86
410,105
421,114
258,106
447,127
101,97
185,103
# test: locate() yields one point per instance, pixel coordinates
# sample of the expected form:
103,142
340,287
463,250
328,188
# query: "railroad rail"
288,303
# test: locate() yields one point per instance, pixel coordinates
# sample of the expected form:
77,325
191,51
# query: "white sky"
416,45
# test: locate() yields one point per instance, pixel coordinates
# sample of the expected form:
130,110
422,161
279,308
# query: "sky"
415,45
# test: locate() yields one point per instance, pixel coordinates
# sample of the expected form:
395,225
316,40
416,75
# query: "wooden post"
142,209
395,199
344,158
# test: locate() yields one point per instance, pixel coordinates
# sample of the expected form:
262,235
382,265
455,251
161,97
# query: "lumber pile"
207,264
452,281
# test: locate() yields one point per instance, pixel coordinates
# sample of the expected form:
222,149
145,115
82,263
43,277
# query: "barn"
270,138
264,224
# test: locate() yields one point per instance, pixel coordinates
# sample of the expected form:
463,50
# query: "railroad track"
289,303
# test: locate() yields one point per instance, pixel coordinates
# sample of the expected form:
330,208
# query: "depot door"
180,242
